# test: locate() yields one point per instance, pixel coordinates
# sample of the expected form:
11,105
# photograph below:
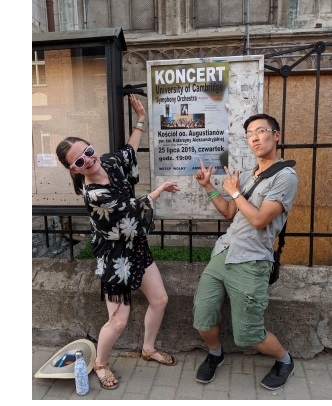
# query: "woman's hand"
169,187
135,136
138,107
165,187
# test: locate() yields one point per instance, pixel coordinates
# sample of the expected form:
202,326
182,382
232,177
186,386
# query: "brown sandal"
166,357
107,378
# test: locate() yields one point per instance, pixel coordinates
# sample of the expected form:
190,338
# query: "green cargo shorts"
246,284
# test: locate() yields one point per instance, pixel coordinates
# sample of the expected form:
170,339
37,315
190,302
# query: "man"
242,258
184,110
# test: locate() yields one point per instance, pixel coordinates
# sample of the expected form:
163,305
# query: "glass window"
130,15
221,13
38,69
72,103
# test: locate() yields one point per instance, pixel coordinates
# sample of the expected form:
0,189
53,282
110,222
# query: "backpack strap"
276,167
281,241
272,170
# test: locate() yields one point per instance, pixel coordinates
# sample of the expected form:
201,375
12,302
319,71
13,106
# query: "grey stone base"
66,306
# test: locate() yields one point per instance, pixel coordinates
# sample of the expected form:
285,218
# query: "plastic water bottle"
81,374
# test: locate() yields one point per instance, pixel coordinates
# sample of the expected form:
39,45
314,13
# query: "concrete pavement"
237,379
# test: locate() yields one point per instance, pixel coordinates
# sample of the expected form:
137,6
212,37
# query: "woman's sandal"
166,360
107,378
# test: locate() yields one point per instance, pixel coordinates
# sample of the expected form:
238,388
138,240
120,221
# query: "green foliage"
86,252
200,254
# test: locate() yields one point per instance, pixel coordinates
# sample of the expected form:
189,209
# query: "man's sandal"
167,359
106,379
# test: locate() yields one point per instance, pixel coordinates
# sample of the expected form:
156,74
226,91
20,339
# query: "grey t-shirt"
245,243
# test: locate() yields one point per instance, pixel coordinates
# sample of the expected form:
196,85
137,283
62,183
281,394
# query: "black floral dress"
120,224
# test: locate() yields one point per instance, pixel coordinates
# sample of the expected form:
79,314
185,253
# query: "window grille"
38,69
130,15
221,13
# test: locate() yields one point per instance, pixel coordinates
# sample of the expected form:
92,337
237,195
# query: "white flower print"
122,207
126,157
134,170
122,266
132,203
94,194
129,226
100,266
114,234
104,210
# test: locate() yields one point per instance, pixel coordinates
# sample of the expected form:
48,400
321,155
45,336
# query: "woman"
120,224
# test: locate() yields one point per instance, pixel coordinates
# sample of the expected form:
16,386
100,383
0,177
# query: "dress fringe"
114,296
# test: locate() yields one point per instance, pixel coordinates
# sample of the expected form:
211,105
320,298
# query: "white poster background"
175,153
190,117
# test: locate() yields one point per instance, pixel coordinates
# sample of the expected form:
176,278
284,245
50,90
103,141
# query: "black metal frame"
284,71
113,42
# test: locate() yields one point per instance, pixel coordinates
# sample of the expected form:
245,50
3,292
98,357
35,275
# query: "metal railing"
71,212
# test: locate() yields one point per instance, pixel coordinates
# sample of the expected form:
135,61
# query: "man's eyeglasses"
260,131
80,161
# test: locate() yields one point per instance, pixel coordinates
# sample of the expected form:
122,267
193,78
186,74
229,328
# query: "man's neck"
263,164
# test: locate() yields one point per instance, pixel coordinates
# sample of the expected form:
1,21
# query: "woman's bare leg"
110,332
153,288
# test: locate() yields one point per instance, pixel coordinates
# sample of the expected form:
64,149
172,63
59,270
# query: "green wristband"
214,193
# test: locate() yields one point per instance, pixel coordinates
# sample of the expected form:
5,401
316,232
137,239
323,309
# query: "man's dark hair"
271,120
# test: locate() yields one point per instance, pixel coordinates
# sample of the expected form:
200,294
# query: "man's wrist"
209,188
235,195
213,193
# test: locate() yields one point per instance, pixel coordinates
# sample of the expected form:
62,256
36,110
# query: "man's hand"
230,184
203,175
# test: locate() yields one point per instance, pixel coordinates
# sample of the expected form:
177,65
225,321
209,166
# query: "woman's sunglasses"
79,163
